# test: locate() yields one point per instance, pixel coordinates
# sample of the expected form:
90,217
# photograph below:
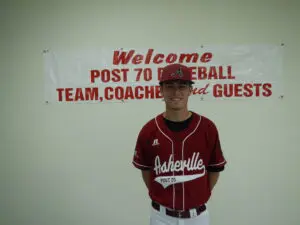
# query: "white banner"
120,75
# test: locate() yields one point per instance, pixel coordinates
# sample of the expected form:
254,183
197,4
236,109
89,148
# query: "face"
176,94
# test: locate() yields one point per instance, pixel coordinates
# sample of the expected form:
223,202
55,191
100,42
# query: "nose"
176,91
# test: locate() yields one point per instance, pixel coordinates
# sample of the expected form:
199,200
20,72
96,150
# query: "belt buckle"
193,213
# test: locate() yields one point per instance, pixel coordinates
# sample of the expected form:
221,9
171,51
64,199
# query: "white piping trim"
140,164
183,157
218,163
172,154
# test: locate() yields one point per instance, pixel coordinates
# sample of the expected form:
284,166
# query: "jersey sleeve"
217,160
140,159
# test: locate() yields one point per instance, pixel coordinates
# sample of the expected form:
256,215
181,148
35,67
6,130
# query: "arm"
141,159
213,178
146,177
217,161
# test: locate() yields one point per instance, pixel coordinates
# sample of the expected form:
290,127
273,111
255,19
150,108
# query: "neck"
177,116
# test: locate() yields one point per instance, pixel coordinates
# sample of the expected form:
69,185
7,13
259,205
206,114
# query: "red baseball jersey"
179,161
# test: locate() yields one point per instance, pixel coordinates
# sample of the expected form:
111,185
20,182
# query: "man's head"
176,86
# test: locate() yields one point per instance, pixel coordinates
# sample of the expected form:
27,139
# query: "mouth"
175,99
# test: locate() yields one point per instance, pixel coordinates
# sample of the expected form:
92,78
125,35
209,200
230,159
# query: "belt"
181,214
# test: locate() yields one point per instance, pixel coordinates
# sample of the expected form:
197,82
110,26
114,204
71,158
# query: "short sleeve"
140,159
217,160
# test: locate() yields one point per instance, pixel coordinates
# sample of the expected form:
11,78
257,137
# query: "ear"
161,90
191,90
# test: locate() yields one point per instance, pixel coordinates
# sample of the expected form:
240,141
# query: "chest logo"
190,164
155,142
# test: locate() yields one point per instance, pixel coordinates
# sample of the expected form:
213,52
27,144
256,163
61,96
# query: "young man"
179,154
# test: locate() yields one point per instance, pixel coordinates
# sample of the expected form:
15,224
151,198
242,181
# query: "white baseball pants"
160,218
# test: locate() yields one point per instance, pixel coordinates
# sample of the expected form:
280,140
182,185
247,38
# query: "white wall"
71,164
